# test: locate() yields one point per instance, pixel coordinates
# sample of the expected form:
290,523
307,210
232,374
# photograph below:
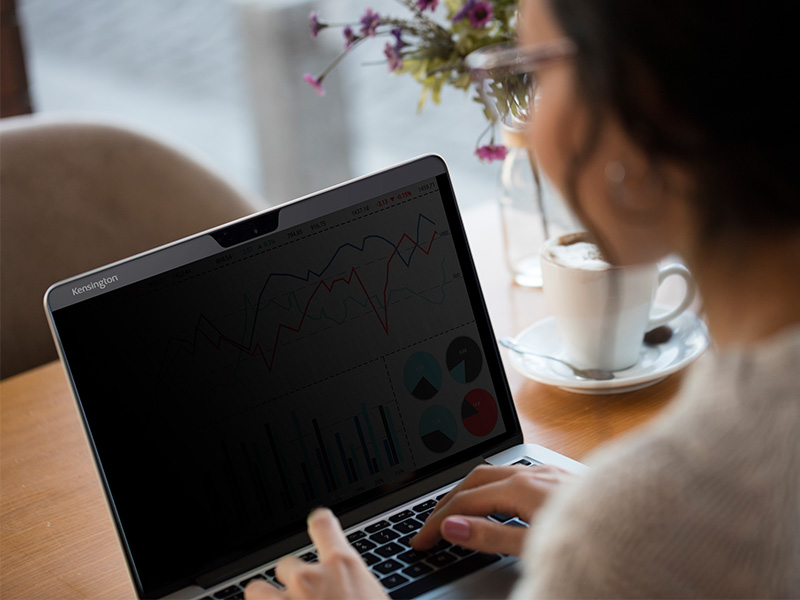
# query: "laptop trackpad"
496,581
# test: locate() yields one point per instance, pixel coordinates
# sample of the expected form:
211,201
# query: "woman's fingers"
480,475
339,573
261,590
479,533
517,491
293,573
327,535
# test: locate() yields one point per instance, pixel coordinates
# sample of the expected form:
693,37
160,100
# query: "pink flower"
315,83
427,4
395,61
369,22
490,152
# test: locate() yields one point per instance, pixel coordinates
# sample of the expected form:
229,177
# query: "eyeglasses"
505,76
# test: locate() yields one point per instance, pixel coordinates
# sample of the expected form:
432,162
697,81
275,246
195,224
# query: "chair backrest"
75,195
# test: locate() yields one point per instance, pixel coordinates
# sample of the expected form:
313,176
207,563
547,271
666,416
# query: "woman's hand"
460,517
340,572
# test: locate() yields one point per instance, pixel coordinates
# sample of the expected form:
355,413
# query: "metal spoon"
596,374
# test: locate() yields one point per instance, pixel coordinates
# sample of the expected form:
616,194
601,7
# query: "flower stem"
339,58
537,184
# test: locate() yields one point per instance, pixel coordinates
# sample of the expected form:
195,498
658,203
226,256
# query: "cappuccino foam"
579,255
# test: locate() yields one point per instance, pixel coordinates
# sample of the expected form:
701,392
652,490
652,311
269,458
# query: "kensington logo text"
100,283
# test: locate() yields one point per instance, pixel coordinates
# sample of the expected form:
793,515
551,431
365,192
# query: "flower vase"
531,210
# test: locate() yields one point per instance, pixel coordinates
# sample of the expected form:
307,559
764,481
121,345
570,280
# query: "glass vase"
532,211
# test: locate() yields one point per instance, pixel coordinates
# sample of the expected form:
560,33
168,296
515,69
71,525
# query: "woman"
664,131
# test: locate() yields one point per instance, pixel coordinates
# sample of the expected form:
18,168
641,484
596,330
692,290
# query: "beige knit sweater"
703,503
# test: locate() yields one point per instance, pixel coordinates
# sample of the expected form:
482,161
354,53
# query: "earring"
615,172
615,177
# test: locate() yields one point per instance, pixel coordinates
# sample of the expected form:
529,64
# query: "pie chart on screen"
438,429
464,359
479,412
422,376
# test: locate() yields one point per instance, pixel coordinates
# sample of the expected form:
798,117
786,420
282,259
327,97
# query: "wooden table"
57,536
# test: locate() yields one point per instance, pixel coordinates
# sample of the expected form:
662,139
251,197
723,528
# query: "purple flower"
399,44
392,55
315,83
478,13
427,4
369,22
349,37
314,24
490,152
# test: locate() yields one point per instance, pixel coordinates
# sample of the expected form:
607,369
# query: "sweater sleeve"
704,503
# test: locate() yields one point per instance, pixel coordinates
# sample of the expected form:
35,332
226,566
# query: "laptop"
335,350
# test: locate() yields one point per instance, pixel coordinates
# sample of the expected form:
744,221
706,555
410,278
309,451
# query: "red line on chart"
258,350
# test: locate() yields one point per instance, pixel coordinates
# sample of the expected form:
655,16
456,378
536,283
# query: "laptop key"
249,579
356,535
389,549
412,556
417,570
308,557
387,566
392,581
461,551
441,559
406,540
408,526
362,546
370,558
377,526
529,462
227,592
446,575
440,545
500,517
383,536
427,505
517,523
423,516
401,516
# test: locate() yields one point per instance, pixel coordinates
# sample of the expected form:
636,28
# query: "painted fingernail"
454,528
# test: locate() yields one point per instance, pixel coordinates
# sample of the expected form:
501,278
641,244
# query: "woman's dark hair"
705,84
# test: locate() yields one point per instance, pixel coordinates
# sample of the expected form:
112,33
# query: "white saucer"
689,340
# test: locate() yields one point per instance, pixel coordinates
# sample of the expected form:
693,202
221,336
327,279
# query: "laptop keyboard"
386,549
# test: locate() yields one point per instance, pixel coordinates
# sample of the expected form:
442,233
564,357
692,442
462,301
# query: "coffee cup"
602,311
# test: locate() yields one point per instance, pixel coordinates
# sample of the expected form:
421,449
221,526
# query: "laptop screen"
328,362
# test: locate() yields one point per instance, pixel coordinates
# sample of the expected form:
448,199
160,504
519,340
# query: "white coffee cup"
603,311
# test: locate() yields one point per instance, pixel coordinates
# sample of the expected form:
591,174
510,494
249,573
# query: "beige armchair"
76,194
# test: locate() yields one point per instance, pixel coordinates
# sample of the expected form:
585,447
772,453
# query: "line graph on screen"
356,280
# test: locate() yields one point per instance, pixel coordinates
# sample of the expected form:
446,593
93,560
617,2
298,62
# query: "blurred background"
223,78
